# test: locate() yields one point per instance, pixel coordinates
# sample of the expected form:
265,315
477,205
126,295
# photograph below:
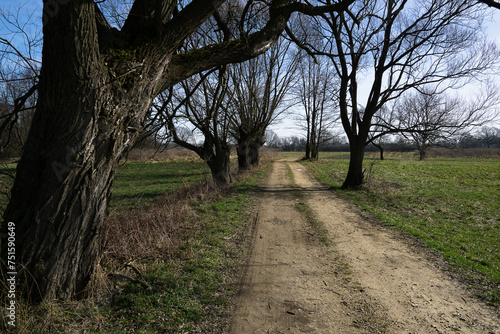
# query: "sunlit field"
451,204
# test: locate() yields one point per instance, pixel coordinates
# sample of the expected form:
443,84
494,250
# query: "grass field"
451,204
138,183
189,268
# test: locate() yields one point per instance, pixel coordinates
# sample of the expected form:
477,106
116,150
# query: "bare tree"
381,128
399,45
18,99
201,103
204,110
426,118
260,89
317,93
272,139
92,104
489,135
19,70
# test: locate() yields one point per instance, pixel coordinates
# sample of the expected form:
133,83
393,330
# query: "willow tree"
200,102
96,87
260,88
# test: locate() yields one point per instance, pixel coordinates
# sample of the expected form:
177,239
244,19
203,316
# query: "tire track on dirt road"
296,284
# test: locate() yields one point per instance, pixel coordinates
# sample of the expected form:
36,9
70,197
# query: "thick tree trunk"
243,153
308,147
355,174
422,153
63,184
248,151
255,146
315,152
220,166
83,124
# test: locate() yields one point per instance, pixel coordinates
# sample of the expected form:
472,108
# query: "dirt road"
366,281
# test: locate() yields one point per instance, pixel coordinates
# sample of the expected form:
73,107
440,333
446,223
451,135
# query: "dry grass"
151,154
142,235
179,153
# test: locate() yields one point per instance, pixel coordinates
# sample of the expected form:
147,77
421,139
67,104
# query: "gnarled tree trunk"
255,145
220,167
248,149
84,123
243,152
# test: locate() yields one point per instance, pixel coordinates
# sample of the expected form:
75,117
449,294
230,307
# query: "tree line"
485,137
203,73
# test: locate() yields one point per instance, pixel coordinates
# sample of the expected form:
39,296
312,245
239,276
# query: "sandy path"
296,284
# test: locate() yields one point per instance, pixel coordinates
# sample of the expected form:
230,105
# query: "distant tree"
201,102
489,135
260,87
293,144
204,108
17,99
272,139
316,91
427,118
19,71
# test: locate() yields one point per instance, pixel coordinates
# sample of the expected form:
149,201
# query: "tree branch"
189,63
491,3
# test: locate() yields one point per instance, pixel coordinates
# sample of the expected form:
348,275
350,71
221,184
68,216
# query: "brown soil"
367,281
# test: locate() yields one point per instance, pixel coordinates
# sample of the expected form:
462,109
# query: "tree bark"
243,153
315,152
355,174
422,153
248,149
220,166
255,145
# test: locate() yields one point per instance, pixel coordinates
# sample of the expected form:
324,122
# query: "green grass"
452,205
137,184
191,288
